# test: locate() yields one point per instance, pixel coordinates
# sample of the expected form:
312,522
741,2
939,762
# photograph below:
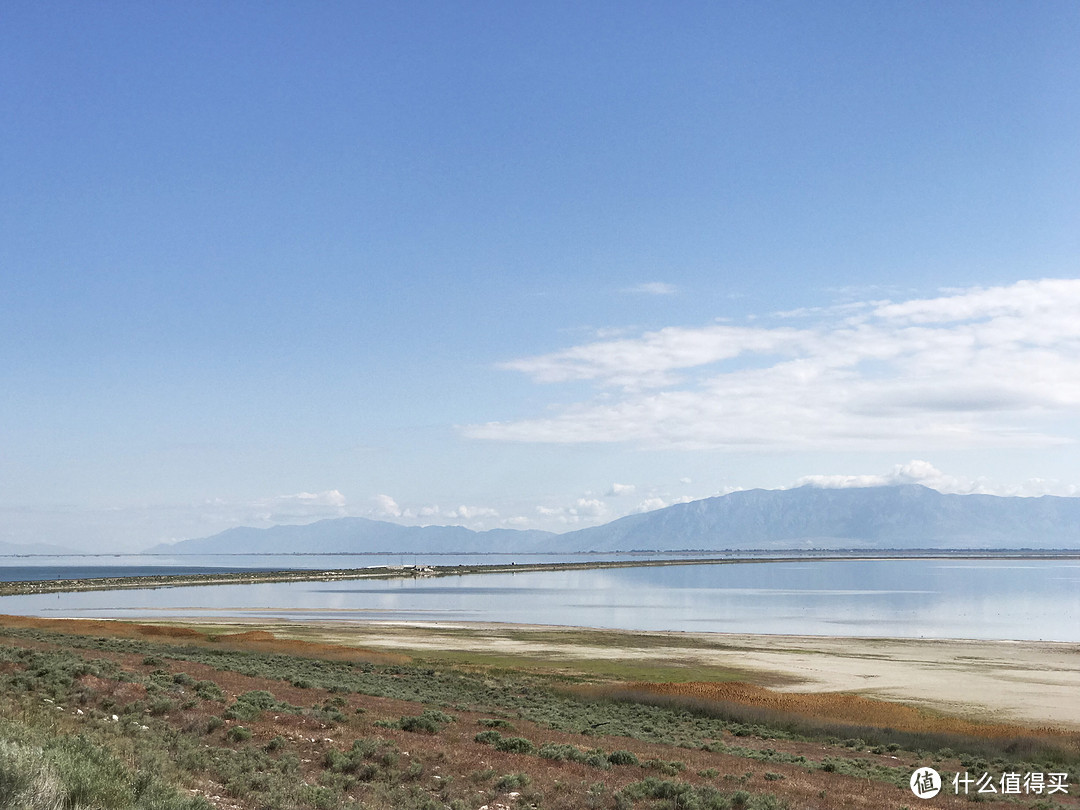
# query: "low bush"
496,723
238,734
250,706
622,758
515,745
429,722
512,781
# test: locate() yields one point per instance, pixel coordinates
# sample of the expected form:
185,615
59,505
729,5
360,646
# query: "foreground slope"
138,717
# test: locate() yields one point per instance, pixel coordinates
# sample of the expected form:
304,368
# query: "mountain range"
906,516
23,549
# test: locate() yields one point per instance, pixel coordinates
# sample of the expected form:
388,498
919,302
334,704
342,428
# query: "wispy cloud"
583,510
989,367
652,288
300,507
474,517
925,473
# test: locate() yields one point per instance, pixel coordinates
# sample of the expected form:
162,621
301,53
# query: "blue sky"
533,265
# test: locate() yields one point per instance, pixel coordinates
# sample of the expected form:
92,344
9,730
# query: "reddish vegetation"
453,752
830,707
257,640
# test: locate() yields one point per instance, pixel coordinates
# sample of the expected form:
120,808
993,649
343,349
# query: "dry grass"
255,640
454,756
825,707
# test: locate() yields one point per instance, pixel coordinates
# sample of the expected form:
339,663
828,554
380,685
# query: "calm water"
984,599
37,567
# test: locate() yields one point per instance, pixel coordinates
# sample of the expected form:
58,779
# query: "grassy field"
108,715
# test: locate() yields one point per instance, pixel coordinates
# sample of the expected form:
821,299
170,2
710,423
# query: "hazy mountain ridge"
23,549
353,535
900,517
895,517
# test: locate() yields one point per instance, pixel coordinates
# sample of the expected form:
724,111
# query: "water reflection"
984,599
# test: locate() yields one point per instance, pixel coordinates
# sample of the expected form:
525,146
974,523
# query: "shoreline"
73,585
1026,683
1032,684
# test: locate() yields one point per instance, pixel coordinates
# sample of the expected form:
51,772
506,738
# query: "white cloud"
925,473
471,512
656,502
588,507
300,507
652,288
332,498
914,472
997,367
651,504
649,361
475,516
620,489
582,510
386,506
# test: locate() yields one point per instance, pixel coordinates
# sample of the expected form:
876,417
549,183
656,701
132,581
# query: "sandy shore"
1028,683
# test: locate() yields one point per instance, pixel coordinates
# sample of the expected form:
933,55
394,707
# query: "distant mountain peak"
896,516
357,535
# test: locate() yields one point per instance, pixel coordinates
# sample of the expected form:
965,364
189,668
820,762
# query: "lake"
917,598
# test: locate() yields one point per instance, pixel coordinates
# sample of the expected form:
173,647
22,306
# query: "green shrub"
512,781
515,745
622,758
560,752
238,734
665,767
276,744
250,705
429,722
597,759
421,725
208,690
90,775
496,723
161,706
